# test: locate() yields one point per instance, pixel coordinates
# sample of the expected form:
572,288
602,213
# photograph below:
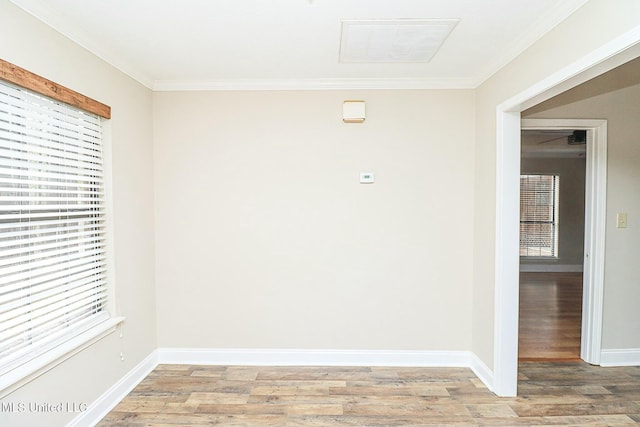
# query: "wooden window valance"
28,80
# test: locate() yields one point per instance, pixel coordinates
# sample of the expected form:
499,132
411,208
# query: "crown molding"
542,26
43,12
310,84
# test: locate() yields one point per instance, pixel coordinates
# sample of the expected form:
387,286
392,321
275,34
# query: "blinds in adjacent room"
539,199
52,224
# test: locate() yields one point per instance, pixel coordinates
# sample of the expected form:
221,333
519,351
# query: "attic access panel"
394,40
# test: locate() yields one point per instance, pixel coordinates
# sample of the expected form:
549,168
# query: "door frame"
610,55
594,226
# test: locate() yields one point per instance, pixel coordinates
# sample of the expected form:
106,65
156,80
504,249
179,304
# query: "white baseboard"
271,357
109,399
268,357
290,357
550,268
620,357
481,370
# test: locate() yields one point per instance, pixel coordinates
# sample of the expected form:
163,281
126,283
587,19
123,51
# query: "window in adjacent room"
539,200
53,255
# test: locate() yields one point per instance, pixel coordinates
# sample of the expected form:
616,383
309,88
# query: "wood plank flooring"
550,316
551,394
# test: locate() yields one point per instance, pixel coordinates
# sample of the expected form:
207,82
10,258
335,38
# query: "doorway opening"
510,125
552,223
595,173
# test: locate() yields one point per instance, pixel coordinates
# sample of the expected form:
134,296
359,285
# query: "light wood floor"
550,316
558,393
549,393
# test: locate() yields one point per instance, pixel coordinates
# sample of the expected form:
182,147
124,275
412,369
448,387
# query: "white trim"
311,84
276,357
505,350
605,58
31,370
109,399
542,26
482,371
620,357
49,16
544,268
297,357
42,11
612,54
594,242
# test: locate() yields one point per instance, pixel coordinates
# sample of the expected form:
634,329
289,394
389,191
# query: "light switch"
621,220
367,178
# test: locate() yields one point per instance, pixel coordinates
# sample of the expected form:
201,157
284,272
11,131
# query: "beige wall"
567,43
263,235
265,238
30,44
620,106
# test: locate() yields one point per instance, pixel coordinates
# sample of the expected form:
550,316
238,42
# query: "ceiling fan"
576,137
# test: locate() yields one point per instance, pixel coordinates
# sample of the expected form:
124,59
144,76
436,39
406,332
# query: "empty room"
309,212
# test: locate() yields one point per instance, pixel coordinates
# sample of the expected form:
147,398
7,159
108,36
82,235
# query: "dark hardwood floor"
550,316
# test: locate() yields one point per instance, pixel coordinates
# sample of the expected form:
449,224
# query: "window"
53,283
539,198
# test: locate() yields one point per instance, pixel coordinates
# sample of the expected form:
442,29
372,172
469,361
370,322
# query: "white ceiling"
293,44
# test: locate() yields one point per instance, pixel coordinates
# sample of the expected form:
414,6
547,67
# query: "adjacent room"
551,246
319,212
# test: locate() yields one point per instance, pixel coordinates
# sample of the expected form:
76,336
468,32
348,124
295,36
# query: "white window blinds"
539,200
52,224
